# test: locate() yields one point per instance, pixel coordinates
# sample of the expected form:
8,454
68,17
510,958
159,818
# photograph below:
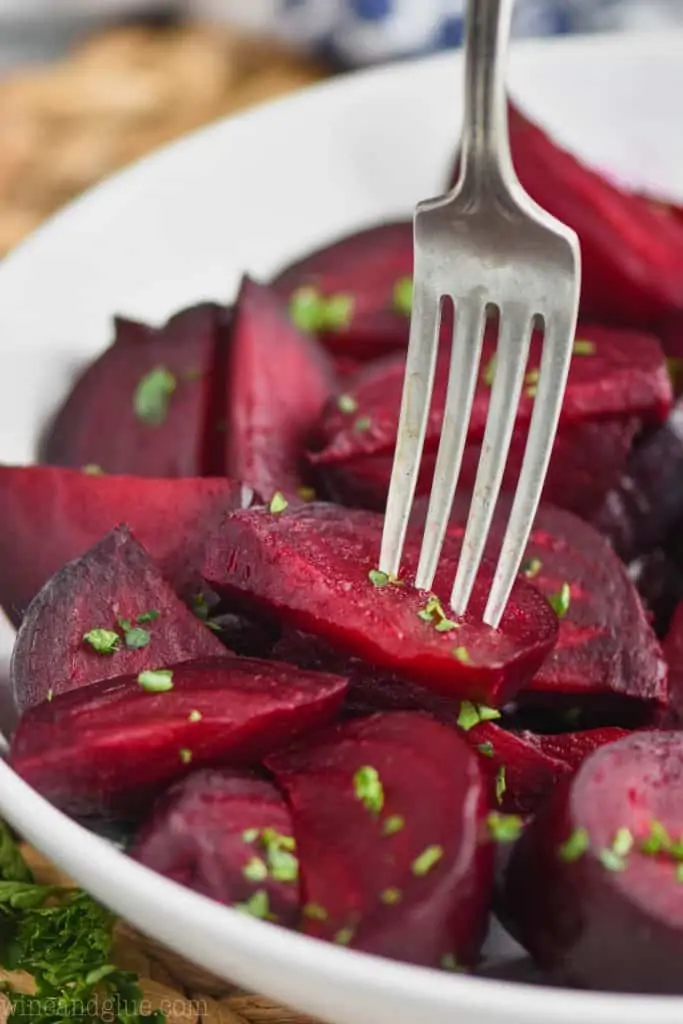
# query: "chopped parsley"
611,860
282,861
150,616
504,828
153,394
532,377
194,716
368,788
315,912
657,841
104,641
501,783
486,748
344,936
255,870
306,493
50,695
434,614
347,403
472,714
257,906
449,963
311,311
423,864
560,601
622,843
679,872
185,755
92,470
462,655
250,835
135,637
395,823
362,424
584,348
391,897
489,373
574,847
337,312
532,567
403,296
278,503
378,578
158,680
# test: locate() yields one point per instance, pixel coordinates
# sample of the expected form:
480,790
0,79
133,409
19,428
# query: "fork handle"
485,143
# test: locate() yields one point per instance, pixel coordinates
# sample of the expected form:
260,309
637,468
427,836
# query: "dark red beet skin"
198,834
308,567
278,382
142,408
112,747
608,920
115,579
420,893
70,511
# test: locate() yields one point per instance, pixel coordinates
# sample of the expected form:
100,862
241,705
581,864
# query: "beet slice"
112,747
631,248
658,579
114,582
143,407
210,832
673,653
387,870
70,511
587,900
278,382
308,567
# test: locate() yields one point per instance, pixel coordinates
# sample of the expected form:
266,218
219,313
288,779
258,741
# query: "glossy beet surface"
71,511
604,854
389,871
221,832
309,567
114,587
111,747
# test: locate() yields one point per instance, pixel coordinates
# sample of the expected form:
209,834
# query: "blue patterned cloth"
368,31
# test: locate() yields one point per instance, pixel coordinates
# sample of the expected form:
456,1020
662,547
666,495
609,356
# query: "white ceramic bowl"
181,226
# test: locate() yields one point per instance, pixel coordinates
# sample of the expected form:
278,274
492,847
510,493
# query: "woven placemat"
185,994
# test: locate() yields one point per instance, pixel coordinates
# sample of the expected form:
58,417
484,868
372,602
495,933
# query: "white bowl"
181,226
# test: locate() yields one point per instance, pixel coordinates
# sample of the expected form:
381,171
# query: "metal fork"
487,246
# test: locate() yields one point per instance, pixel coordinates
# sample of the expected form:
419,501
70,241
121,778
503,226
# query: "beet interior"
111,747
114,582
309,567
406,877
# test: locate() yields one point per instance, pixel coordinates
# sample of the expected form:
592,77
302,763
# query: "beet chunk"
387,869
70,511
112,747
278,382
308,567
362,270
214,829
114,587
142,408
673,653
592,885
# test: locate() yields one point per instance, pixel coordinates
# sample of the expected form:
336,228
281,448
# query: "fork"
489,248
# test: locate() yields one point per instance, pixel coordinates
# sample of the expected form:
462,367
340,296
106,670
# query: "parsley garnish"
574,847
315,912
462,655
185,755
92,470
489,373
423,864
393,825
255,870
472,714
391,897
104,641
306,493
278,503
153,395
194,716
250,835
434,614
368,788
158,680
504,828
257,905
344,936
347,403
501,783
532,568
560,602
378,578
403,296
311,311
584,348
362,424
486,748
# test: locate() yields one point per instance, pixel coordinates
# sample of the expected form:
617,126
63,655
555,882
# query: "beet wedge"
143,408
309,568
365,276
631,248
278,382
605,855
114,746
106,614
70,511
228,835
382,868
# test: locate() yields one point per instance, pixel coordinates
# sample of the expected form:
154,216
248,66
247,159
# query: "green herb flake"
531,391
532,377
336,312
423,864
560,602
92,470
679,872
472,714
486,748
504,828
449,963
622,844
391,897
462,655
611,860
657,841
136,638
306,493
50,696
446,626
194,716
584,348
278,503
255,870
574,848
344,936
257,906
532,567
185,755
362,424
306,309
282,862
489,374
250,835
314,912
403,296
501,783
104,641
13,868
153,394
395,823
378,578
158,680
150,616
368,788
347,403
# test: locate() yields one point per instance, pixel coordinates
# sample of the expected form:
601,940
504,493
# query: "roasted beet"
673,653
142,408
618,382
631,248
278,382
593,886
70,511
360,274
112,747
383,869
312,567
115,595
659,580
226,834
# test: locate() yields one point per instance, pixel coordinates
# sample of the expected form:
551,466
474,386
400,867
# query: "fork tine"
511,358
468,334
417,395
554,369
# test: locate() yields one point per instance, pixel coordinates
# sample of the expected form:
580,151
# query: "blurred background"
87,86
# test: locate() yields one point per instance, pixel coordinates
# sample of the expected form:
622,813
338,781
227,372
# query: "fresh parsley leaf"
13,867
362,424
104,641
278,503
403,296
314,912
532,568
574,847
393,824
347,403
423,864
257,905
501,783
153,394
391,897
560,601
504,828
305,308
368,788
472,714
158,680
584,348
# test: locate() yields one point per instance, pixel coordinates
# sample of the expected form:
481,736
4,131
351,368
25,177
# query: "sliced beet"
658,579
593,886
112,747
631,248
673,653
142,408
308,568
387,870
114,582
278,382
364,268
207,832
70,511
